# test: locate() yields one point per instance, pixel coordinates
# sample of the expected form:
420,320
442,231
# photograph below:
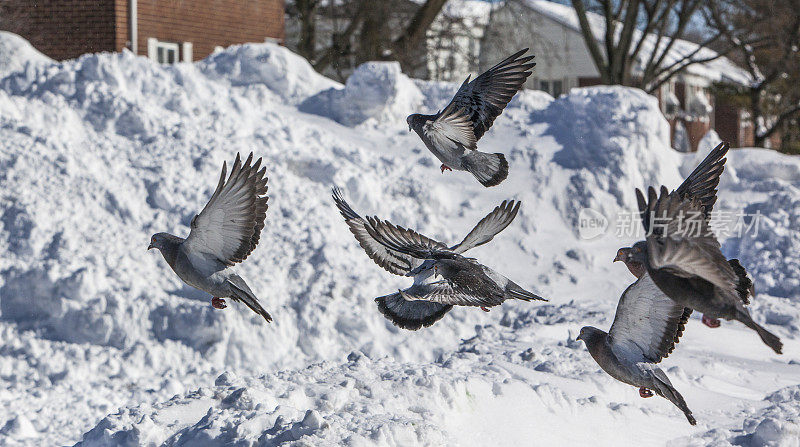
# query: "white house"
553,33
453,41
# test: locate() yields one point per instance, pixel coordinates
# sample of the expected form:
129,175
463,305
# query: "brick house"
167,31
563,62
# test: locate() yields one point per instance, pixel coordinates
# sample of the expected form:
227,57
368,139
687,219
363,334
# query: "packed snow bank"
376,91
100,152
285,73
486,392
761,210
17,53
607,161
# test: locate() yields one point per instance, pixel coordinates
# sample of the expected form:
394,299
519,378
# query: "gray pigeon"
684,258
700,184
453,133
465,282
223,234
405,309
646,328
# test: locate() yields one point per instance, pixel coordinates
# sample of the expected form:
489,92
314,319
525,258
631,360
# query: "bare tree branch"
589,39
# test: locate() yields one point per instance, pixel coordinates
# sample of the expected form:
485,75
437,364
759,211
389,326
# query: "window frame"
158,48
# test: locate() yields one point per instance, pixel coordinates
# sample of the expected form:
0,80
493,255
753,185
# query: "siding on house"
560,51
564,62
65,29
206,23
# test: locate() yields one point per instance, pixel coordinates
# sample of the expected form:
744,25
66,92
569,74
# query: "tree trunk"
756,116
404,47
372,37
306,10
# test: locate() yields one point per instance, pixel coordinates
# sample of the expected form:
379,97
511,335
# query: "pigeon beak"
578,338
620,256
150,246
409,127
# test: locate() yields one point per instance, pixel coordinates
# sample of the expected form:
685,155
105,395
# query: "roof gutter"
133,34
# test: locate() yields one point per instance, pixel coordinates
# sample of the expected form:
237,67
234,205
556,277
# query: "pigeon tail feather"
411,315
665,389
489,169
246,296
521,294
767,337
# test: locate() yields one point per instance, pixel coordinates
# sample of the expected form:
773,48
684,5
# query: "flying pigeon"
701,183
465,282
223,234
453,133
684,258
407,309
745,286
646,328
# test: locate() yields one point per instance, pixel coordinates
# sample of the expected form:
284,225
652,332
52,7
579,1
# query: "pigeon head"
633,258
589,333
636,253
160,241
445,268
414,121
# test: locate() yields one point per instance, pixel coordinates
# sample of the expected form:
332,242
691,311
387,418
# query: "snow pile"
17,53
376,91
606,162
773,200
491,384
103,151
285,73
778,424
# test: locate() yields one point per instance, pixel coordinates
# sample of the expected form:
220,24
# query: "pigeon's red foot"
218,303
644,392
710,322
444,167
484,309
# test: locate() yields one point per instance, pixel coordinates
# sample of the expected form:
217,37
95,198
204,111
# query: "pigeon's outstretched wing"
407,241
489,226
685,245
701,184
486,96
450,293
391,260
230,224
451,127
647,324
413,314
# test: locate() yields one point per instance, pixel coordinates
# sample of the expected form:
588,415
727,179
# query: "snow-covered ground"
101,344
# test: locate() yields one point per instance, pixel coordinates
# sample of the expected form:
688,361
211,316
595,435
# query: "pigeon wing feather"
487,95
647,324
229,226
393,261
489,226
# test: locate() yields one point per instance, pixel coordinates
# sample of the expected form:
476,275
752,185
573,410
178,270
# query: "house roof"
721,69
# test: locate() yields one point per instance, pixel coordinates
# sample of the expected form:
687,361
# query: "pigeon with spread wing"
222,235
464,281
700,184
646,328
682,255
427,300
453,133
